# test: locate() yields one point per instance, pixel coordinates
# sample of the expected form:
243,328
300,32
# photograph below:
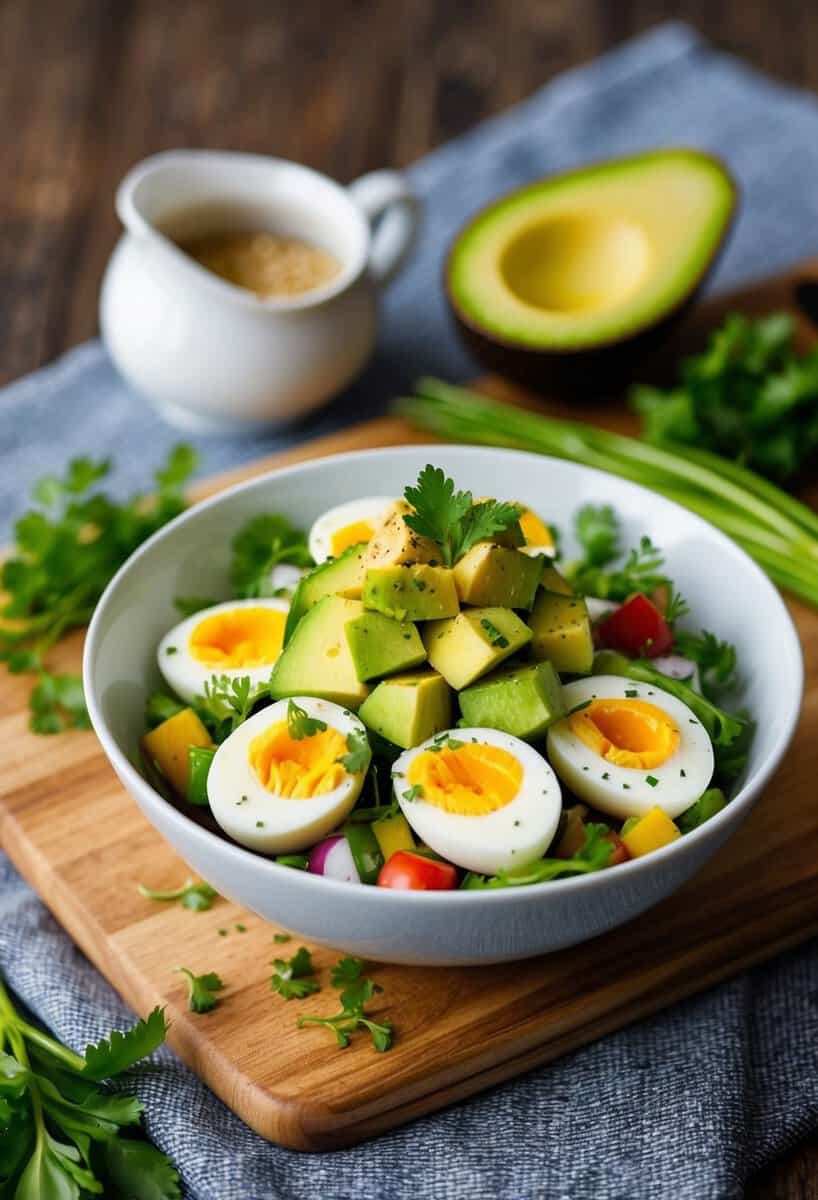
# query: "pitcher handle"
387,194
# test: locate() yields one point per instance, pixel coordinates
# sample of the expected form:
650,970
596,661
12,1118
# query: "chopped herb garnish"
194,894
289,978
495,636
415,792
651,780
451,518
358,753
201,990
300,725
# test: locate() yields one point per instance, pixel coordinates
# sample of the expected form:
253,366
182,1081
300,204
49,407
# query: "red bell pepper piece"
416,873
637,628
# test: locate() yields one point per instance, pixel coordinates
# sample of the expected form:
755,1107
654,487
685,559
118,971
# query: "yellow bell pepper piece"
167,745
651,832
393,834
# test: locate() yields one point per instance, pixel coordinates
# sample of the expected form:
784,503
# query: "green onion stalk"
779,532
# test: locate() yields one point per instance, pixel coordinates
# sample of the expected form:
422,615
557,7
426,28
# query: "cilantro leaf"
452,519
227,702
358,991
715,659
196,895
358,753
594,855
57,703
201,990
140,1171
598,532
345,971
66,551
260,545
748,396
641,572
300,725
121,1051
289,978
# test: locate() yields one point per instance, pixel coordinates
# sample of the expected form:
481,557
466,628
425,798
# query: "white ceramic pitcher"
215,357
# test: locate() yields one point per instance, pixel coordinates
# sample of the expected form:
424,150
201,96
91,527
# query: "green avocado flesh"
343,575
381,646
595,255
408,709
317,660
561,632
469,645
523,701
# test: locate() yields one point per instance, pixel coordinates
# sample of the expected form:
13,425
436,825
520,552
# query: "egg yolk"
239,637
296,769
535,531
350,535
628,733
472,780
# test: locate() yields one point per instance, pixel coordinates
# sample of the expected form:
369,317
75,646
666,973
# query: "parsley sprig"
259,546
60,1133
300,725
358,752
357,991
452,519
66,551
227,703
290,977
194,894
715,659
201,990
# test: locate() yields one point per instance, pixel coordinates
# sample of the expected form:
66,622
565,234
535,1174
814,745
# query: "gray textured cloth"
682,1106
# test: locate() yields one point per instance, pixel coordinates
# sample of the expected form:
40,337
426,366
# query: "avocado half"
566,283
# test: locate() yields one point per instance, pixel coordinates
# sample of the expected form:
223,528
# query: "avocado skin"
588,374
601,369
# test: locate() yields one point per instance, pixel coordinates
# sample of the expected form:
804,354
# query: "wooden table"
87,87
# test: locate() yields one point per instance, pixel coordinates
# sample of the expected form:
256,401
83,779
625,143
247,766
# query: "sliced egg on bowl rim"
627,747
347,525
480,798
238,637
278,794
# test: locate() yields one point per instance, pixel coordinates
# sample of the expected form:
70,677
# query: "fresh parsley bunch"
748,396
66,551
452,519
62,1135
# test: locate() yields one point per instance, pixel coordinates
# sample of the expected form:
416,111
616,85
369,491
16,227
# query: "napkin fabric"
684,1105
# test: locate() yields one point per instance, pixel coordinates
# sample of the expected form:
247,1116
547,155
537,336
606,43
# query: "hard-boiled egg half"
347,525
480,798
239,637
278,785
628,747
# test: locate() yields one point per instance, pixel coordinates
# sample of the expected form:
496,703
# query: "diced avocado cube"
342,576
562,633
418,592
397,544
470,644
496,575
380,645
519,700
553,581
317,660
168,744
408,709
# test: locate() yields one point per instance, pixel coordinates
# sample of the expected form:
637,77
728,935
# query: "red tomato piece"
416,873
637,628
621,853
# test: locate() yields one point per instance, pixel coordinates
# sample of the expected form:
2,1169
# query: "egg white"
508,837
624,791
369,508
256,817
284,577
185,674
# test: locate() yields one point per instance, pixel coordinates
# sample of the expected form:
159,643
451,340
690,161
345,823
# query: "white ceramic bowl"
726,591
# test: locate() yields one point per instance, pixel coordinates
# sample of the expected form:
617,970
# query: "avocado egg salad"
421,694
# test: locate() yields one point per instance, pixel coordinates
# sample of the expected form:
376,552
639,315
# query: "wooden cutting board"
79,840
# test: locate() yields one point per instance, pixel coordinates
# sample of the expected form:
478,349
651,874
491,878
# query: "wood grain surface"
83,844
89,86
